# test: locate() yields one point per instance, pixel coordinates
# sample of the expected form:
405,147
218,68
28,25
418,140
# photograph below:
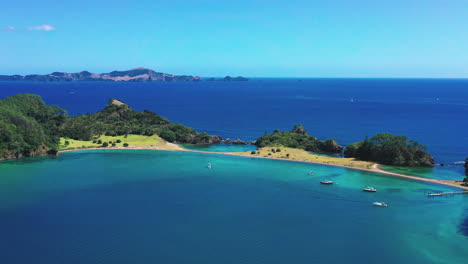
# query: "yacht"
370,189
326,182
381,204
209,165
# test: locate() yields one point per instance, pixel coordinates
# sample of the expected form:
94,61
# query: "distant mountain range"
134,75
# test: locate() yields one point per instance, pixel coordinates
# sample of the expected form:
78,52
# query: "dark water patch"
463,227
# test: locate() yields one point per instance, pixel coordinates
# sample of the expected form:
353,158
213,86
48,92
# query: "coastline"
375,168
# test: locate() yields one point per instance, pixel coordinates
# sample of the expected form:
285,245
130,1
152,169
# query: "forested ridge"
298,138
29,127
392,150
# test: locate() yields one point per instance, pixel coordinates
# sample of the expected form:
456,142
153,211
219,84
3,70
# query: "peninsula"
134,75
29,127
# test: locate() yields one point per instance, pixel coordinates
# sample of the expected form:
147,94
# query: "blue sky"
334,38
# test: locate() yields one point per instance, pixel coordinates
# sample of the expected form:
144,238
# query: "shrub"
94,141
67,143
125,144
287,155
118,141
125,136
99,141
269,154
253,152
278,150
105,144
273,150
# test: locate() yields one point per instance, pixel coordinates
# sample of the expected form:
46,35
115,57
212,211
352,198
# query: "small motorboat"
380,204
209,165
369,189
311,173
326,182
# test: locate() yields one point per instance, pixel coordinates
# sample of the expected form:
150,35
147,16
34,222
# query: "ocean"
138,206
430,111
131,206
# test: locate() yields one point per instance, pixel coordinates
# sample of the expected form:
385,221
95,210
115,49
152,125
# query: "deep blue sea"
135,206
433,112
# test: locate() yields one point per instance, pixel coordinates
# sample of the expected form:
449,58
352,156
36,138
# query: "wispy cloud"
10,29
44,27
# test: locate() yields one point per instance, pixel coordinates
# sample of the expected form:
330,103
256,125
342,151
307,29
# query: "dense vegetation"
390,150
118,119
298,138
29,127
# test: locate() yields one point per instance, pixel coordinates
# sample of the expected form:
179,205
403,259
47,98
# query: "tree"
105,144
297,138
125,144
392,150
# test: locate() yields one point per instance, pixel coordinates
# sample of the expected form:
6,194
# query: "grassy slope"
301,155
134,141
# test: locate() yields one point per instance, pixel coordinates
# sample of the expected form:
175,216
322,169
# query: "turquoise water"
123,206
452,172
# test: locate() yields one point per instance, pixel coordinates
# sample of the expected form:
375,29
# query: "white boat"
381,204
370,189
209,165
326,182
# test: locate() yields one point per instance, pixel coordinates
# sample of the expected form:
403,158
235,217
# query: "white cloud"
10,28
44,27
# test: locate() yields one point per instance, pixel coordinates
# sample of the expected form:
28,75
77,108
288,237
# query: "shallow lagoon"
167,207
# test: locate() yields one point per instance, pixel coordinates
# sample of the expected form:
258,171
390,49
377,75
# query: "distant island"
133,75
229,79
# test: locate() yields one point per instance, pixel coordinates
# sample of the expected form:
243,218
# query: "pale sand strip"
376,168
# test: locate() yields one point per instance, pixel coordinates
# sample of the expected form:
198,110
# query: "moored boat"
369,189
326,182
380,204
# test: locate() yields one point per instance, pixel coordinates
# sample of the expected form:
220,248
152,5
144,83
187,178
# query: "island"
29,128
228,79
134,75
235,79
